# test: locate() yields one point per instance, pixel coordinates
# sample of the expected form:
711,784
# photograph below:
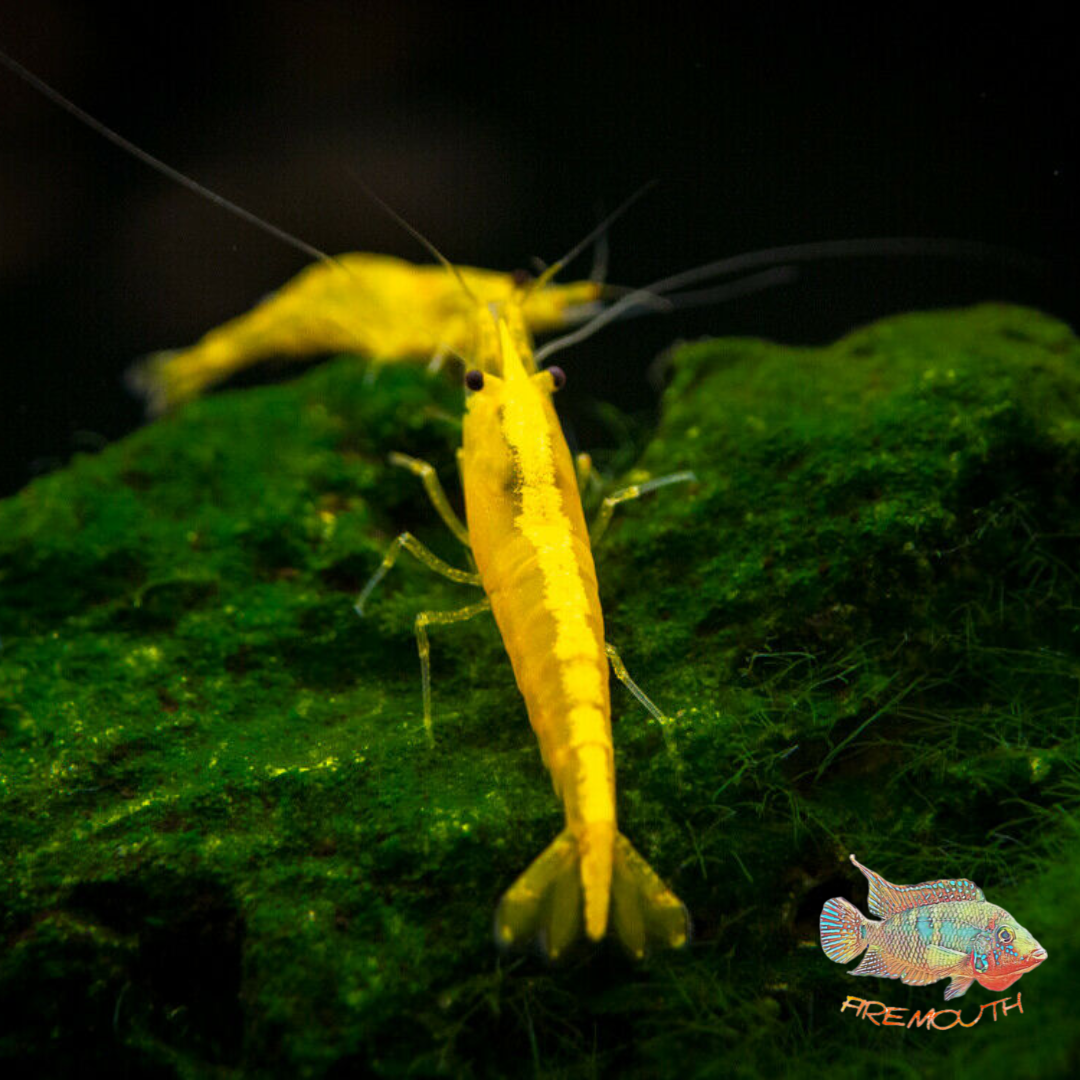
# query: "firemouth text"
882,1015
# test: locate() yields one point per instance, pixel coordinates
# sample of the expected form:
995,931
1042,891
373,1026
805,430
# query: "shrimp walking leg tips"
528,539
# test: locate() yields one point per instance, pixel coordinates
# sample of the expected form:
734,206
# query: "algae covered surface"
227,850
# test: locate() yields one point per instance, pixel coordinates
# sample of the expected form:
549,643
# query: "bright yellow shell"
385,308
528,535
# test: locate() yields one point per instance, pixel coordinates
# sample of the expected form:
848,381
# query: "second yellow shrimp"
527,534
382,307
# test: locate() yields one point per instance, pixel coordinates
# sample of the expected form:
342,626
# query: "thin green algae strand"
227,851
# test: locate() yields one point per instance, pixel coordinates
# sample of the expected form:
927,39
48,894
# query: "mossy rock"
228,852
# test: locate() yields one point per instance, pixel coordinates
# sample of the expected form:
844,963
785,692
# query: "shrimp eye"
558,377
521,278
474,380
1005,935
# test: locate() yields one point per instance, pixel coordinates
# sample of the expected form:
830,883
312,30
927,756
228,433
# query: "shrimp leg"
418,551
634,491
438,618
665,722
436,494
586,474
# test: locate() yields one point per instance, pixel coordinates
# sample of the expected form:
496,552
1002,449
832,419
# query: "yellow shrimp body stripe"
383,307
529,538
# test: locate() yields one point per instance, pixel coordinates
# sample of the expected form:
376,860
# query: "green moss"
227,850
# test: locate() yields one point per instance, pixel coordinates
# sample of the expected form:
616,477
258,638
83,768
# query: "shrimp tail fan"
548,904
157,380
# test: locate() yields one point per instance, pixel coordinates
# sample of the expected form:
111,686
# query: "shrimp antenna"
938,247
581,245
158,165
416,234
657,295
601,252
645,300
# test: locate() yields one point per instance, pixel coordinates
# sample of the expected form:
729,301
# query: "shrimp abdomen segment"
554,637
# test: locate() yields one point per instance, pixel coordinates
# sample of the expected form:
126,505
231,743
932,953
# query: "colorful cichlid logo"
935,930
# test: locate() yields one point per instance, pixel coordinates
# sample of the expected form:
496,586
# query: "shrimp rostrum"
527,534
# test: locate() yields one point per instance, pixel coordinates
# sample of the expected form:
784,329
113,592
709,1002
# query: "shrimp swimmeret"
531,546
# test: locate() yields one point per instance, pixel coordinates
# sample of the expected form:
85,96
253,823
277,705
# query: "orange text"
880,1014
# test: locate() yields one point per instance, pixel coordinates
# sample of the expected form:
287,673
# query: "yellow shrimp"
531,546
385,308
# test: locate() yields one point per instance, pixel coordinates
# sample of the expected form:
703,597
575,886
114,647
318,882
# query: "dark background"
502,137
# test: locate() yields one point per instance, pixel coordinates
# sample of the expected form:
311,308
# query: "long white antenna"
658,295
648,298
941,247
417,235
586,240
155,163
